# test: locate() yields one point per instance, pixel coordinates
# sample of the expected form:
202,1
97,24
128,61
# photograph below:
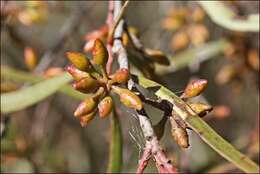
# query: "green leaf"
198,125
28,96
115,152
198,54
224,17
21,76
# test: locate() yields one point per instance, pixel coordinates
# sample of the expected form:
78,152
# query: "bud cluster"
178,126
91,77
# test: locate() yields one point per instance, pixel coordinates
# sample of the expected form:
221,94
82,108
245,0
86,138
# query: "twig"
118,15
216,142
67,29
152,143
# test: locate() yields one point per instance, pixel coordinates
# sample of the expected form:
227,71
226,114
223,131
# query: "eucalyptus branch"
152,143
214,140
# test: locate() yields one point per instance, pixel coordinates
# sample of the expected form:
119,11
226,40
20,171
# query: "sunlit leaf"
28,96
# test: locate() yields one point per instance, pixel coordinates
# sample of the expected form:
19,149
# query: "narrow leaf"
115,152
224,17
215,141
25,97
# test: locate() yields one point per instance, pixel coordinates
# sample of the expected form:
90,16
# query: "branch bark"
152,146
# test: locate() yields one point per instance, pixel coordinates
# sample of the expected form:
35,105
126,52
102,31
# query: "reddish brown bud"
179,134
30,58
85,107
194,88
84,120
89,45
99,33
105,106
157,56
76,73
100,54
53,71
86,85
200,108
120,76
79,60
128,98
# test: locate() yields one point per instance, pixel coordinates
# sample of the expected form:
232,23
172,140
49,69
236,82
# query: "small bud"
180,40
105,106
200,108
100,54
84,120
79,60
194,88
85,107
225,74
128,98
76,73
221,111
120,76
30,58
86,85
157,56
99,33
53,71
179,134
89,45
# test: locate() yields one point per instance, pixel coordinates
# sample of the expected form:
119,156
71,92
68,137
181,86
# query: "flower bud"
79,60
128,98
120,76
157,56
100,54
179,134
105,106
76,73
194,88
86,85
99,33
84,120
53,71
85,107
200,108
30,58
89,45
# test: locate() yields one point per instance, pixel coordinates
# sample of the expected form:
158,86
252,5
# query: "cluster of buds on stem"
178,126
91,77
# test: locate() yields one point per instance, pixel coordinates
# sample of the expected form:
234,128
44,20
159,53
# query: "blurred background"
47,138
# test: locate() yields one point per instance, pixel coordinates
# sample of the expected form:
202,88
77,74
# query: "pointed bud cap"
76,73
100,54
157,56
105,106
85,107
194,88
120,76
179,134
89,45
79,60
84,120
86,85
201,108
128,98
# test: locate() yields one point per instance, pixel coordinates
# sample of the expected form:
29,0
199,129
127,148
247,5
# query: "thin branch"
118,15
67,29
152,143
